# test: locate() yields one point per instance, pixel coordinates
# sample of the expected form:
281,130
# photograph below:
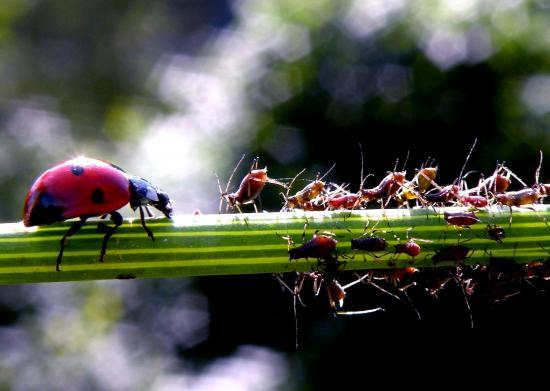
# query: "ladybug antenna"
459,179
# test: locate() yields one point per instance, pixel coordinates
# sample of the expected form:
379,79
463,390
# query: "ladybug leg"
74,229
108,231
146,228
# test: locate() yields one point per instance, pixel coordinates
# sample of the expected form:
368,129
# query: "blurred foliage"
176,90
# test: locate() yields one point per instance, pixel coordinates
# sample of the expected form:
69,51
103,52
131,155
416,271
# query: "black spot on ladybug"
45,210
77,170
97,196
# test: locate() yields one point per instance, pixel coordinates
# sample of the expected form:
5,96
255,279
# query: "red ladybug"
84,188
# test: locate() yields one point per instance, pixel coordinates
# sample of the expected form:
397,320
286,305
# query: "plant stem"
252,243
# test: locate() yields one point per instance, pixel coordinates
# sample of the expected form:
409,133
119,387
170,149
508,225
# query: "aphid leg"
386,291
404,290
221,194
459,281
72,230
285,196
363,312
260,202
295,297
367,276
103,228
146,228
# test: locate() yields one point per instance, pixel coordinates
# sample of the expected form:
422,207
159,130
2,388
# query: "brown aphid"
476,201
386,188
521,197
369,243
501,184
398,275
307,198
421,182
461,219
250,188
443,195
321,246
411,248
306,195
347,201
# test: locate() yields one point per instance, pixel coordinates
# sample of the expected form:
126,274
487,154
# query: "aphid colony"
395,189
422,189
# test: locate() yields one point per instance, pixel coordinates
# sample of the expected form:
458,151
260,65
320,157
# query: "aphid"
461,219
499,183
476,201
443,195
346,201
321,246
411,248
421,182
386,188
305,198
495,232
370,243
525,196
425,178
84,188
399,274
521,197
250,187
455,253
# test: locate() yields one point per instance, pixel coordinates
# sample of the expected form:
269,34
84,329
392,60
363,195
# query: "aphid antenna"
234,171
427,163
395,166
362,179
255,163
537,172
403,289
285,196
406,160
326,173
458,280
457,181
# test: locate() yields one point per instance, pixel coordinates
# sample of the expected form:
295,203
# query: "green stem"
252,243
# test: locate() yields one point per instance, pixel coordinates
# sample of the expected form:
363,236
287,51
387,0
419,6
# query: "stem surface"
252,243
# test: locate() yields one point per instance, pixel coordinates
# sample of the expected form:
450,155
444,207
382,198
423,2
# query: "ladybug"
84,188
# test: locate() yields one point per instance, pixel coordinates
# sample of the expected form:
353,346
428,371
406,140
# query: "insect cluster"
396,188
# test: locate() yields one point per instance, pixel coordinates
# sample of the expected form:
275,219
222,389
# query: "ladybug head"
143,192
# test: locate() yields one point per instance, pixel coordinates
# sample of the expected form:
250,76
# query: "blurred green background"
175,91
